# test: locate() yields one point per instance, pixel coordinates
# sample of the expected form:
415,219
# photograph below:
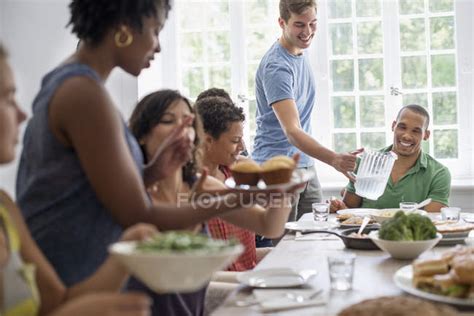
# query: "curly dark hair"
91,19
217,113
214,92
148,113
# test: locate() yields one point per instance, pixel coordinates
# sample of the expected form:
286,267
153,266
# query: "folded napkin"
317,236
284,299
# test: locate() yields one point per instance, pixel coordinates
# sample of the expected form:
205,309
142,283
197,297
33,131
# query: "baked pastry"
246,172
278,170
428,267
397,306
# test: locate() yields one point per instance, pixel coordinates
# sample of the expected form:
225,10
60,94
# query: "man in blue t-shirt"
285,93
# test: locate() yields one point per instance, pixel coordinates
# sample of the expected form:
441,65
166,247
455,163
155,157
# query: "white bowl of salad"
175,261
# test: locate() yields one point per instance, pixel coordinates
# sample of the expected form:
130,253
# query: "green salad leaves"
181,242
407,227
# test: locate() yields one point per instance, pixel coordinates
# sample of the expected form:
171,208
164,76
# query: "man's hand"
346,162
336,205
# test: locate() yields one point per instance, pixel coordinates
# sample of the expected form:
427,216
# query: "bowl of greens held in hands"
406,236
175,261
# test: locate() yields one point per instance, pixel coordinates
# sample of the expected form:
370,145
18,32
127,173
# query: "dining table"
373,274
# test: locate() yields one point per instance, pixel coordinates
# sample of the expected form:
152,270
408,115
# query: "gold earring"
123,38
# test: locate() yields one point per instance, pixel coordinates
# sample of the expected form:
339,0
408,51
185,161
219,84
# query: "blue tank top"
63,213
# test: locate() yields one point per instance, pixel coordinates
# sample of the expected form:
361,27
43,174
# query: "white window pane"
445,143
190,14
373,140
219,46
412,35
219,77
256,10
441,5
193,81
344,112
414,72
251,72
444,108
342,75
442,32
259,41
341,38
217,14
371,74
443,69
192,48
340,9
369,37
366,8
344,142
372,111
411,6
416,98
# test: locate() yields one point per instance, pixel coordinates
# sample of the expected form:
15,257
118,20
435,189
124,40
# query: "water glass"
450,213
341,271
320,212
406,206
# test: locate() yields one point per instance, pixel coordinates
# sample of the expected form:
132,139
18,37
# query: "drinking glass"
450,213
320,212
341,271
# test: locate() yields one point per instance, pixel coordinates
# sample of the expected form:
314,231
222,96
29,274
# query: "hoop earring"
119,37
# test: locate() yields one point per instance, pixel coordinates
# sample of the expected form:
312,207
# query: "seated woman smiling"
152,120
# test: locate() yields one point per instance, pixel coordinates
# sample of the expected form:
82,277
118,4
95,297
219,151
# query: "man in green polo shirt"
415,176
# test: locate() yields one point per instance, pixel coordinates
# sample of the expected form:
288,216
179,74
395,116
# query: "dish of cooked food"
403,227
451,275
357,235
278,170
246,172
397,305
182,242
350,219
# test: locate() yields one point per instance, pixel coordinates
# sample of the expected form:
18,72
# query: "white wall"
34,31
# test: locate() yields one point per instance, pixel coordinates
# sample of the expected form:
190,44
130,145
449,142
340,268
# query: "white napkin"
300,237
277,300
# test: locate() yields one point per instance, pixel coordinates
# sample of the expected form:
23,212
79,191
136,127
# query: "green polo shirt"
426,179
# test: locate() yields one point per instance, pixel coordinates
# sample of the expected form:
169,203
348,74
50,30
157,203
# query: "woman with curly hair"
153,118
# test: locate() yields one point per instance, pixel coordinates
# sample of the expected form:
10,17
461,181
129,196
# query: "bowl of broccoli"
175,261
406,236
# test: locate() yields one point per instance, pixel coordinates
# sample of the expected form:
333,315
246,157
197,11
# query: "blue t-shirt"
281,76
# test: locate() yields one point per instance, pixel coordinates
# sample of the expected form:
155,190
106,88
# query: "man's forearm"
310,146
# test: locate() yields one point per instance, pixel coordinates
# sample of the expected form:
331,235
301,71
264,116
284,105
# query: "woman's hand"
174,152
139,231
106,304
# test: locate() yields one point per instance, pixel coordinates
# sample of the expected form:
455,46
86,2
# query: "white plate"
299,176
275,278
403,280
310,225
357,211
468,217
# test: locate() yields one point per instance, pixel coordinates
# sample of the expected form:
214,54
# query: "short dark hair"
217,113
91,19
3,52
148,113
214,92
295,6
417,109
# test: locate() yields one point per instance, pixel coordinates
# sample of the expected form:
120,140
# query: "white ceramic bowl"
382,215
166,272
404,249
